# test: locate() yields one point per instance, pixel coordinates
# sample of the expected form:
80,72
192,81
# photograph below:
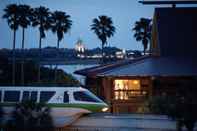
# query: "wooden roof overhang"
94,71
156,67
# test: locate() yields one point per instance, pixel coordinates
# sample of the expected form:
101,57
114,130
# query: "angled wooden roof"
156,66
94,71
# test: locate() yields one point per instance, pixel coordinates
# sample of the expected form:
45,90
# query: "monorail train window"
34,96
85,96
46,95
25,96
66,97
11,96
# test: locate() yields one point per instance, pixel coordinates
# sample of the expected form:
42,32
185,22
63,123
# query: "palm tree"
24,21
142,31
42,20
61,24
103,28
12,14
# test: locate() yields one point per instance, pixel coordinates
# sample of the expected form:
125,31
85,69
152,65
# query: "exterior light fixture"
104,109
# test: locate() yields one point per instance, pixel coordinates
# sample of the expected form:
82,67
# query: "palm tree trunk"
13,59
22,62
56,66
102,59
39,59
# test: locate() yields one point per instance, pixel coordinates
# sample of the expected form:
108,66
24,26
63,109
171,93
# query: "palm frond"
61,23
103,27
142,31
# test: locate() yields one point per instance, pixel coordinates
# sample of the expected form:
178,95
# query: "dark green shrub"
30,116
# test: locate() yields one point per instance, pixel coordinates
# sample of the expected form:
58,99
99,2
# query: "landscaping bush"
30,116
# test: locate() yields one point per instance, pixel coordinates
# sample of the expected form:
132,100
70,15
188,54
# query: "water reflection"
72,68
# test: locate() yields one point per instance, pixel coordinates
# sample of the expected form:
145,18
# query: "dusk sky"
124,13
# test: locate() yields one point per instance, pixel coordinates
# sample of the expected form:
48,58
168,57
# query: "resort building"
121,54
172,64
79,46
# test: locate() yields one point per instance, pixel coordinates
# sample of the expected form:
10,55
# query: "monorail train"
67,103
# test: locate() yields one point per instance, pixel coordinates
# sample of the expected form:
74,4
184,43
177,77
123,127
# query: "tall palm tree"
142,31
61,24
42,20
103,28
12,15
25,12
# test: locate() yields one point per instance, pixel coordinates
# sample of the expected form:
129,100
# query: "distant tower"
79,46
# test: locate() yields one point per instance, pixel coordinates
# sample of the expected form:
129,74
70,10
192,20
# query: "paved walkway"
126,122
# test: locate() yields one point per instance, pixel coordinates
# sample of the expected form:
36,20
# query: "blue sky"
124,13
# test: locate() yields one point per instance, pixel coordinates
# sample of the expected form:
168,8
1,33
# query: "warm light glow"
135,82
125,89
116,95
105,109
144,92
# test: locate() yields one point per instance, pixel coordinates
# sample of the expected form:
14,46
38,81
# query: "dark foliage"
142,31
181,107
30,71
30,116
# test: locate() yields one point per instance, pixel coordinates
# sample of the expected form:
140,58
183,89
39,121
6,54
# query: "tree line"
24,16
59,22
30,73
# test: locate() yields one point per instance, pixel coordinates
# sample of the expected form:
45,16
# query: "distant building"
79,46
121,54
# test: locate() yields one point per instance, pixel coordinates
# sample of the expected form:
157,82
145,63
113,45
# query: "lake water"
70,69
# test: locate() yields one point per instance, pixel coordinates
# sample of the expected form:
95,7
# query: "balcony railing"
129,94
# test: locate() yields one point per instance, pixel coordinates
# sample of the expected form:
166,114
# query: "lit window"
126,89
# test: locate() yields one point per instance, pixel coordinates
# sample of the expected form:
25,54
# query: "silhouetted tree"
186,105
25,14
42,20
61,24
103,28
12,16
142,31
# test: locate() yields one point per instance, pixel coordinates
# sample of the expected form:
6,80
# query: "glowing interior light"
121,97
116,95
121,87
144,92
124,88
126,97
135,82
